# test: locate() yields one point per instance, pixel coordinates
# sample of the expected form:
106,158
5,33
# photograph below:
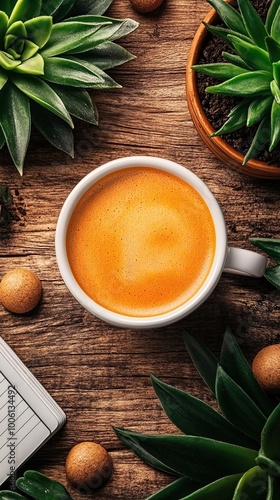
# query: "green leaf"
2,139
71,72
237,367
32,66
237,407
276,72
93,7
3,24
260,139
198,458
275,125
273,49
273,488
8,62
272,274
203,359
256,82
221,71
176,490
271,13
270,443
24,10
43,94
220,489
235,121
254,56
270,246
275,27
106,55
39,30
18,29
40,487
30,49
63,11
229,15
258,109
109,32
49,8
223,33
253,23
11,495
56,131
14,112
236,60
78,102
253,484
194,417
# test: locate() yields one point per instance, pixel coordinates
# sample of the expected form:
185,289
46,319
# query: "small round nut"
20,290
88,465
266,368
145,6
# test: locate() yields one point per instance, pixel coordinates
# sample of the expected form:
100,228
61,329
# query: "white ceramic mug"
229,259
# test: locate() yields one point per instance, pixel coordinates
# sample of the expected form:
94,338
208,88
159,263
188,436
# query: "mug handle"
245,262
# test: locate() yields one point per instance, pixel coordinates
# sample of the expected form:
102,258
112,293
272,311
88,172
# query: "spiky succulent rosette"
251,71
230,454
52,52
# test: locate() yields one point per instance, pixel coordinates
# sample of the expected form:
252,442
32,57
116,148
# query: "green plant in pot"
250,71
229,454
52,52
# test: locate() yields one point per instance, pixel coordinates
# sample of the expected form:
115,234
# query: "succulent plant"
51,53
232,453
251,71
272,248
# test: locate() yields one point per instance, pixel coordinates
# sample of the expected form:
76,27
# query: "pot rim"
218,146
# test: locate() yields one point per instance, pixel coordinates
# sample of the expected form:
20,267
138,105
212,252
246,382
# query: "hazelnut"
145,6
88,465
20,290
266,368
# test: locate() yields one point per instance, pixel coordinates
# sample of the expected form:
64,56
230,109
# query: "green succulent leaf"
49,8
270,246
256,82
254,56
229,15
260,139
71,35
276,75
221,71
221,488
237,406
223,33
63,10
273,49
43,94
32,66
258,109
253,484
236,60
194,417
198,458
39,487
275,26
235,121
275,125
14,111
8,62
7,6
272,274
55,130
39,30
203,359
271,13
273,488
106,55
3,24
72,72
78,103
11,495
176,490
253,23
234,363
24,10
270,443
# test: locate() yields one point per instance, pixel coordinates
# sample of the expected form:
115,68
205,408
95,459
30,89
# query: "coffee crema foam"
141,242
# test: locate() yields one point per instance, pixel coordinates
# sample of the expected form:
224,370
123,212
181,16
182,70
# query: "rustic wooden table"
97,373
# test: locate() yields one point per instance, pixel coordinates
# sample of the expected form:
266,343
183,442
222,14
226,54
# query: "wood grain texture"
97,373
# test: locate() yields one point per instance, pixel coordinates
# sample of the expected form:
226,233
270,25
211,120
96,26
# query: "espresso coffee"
141,241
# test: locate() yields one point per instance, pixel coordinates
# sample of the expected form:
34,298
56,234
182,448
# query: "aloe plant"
228,454
251,71
52,52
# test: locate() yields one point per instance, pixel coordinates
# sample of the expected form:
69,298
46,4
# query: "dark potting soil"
217,107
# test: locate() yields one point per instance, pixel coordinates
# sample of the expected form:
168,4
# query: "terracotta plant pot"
218,146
